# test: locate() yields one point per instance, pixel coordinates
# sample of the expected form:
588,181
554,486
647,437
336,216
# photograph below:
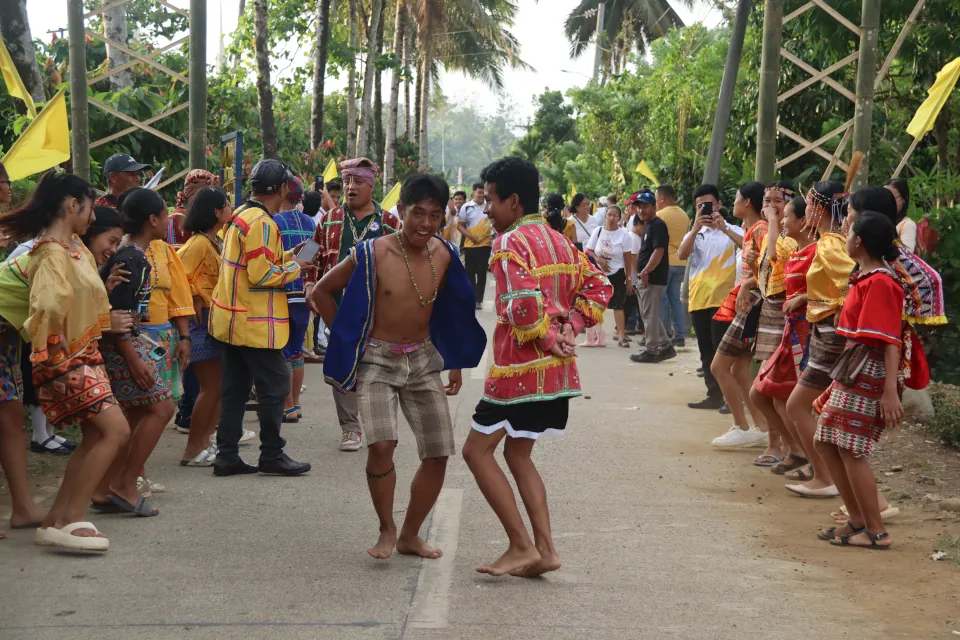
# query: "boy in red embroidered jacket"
547,292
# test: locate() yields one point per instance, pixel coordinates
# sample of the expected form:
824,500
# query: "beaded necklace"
433,271
373,225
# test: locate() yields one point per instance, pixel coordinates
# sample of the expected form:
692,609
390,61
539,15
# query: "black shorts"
524,420
619,282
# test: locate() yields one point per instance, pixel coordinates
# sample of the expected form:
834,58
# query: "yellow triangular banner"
330,173
573,191
644,169
938,94
15,86
44,144
392,198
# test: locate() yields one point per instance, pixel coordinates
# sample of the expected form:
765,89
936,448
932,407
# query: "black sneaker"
644,358
707,403
724,410
284,466
669,354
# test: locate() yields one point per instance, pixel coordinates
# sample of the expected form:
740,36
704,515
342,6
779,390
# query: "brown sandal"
790,462
801,474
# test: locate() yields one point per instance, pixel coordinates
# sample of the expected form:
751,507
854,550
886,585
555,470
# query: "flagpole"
79,125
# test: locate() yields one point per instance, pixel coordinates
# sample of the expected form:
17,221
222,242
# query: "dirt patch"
902,590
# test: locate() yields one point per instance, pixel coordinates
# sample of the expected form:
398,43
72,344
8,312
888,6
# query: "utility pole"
198,84
866,70
79,125
769,76
601,12
711,174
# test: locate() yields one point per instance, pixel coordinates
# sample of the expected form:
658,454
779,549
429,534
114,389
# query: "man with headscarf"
358,219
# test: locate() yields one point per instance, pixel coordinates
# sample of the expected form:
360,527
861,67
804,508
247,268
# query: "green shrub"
946,420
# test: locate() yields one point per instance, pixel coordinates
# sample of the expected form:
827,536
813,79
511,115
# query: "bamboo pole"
866,76
198,84
79,125
769,76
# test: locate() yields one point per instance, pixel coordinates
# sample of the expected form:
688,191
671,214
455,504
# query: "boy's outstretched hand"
455,378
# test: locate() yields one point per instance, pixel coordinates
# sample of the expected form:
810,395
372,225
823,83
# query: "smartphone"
706,209
156,352
309,250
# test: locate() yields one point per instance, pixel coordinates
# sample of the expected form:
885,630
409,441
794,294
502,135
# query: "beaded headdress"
818,204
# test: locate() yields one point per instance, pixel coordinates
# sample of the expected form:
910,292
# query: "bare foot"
384,547
547,563
32,518
417,546
511,560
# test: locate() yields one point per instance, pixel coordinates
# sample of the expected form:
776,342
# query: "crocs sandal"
766,460
64,538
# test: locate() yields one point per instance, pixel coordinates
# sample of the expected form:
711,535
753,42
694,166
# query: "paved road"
650,547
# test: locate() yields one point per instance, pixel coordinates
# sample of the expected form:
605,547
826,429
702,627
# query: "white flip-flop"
64,538
825,492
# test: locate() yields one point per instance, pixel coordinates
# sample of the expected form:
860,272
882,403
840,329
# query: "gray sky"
539,28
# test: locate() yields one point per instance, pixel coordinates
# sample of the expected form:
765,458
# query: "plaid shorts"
409,375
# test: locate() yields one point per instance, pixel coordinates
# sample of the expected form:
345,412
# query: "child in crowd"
547,292
406,315
864,397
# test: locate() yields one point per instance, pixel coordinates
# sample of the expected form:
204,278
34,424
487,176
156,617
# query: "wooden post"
198,84
79,124
769,76
866,75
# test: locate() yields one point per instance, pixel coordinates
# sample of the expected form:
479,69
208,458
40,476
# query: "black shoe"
724,410
707,403
58,450
679,342
320,351
237,467
700,370
644,357
479,306
669,354
284,466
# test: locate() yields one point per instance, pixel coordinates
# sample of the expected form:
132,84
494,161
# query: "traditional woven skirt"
824,350
770,331
850,415
11,379
779,375
166,372
74,390
742,332
203,346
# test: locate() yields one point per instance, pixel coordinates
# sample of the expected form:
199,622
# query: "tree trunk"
115,28
389,153
268,127
417,107
711,174
425,105
866,76
408,44
769,77
378,94
352,84
15,29
243,6
319,72
364,146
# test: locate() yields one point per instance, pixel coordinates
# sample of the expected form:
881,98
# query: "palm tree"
627,24
15,30
373,47
389,153
352,82
319,72
268,126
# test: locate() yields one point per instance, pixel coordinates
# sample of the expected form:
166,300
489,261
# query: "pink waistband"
398,349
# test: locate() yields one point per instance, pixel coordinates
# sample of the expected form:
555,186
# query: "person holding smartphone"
296,228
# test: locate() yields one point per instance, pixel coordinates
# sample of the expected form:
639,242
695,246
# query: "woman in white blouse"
611,247
906,228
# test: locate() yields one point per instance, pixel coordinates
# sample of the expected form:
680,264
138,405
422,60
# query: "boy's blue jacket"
454,329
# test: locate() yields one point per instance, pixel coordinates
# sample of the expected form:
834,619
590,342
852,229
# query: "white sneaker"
738,438
350,441
247,436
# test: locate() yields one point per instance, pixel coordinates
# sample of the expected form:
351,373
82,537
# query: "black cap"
121,163
268,176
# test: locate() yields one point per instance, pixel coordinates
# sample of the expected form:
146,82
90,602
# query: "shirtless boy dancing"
547,293
406,315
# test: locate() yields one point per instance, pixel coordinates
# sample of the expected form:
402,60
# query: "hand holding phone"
308,251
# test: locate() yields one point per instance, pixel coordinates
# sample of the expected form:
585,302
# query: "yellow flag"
330,173
44,144
14,83
573,191
392,198
938,94
644,169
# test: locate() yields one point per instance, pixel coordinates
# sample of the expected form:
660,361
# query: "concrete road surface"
650,549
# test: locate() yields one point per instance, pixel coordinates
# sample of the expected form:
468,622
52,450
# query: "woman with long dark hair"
553,208
68,310
906,228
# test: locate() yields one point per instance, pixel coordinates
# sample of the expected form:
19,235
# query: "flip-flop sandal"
801,474
64,538
142,509
784,466
106,508
766,460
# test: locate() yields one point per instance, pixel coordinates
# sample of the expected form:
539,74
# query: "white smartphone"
309,250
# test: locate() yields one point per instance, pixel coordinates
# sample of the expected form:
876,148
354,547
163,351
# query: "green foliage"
946,421
464,138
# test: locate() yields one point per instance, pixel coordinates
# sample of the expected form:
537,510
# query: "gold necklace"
357,239
433,271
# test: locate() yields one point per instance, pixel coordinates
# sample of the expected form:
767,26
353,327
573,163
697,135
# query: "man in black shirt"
654,267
